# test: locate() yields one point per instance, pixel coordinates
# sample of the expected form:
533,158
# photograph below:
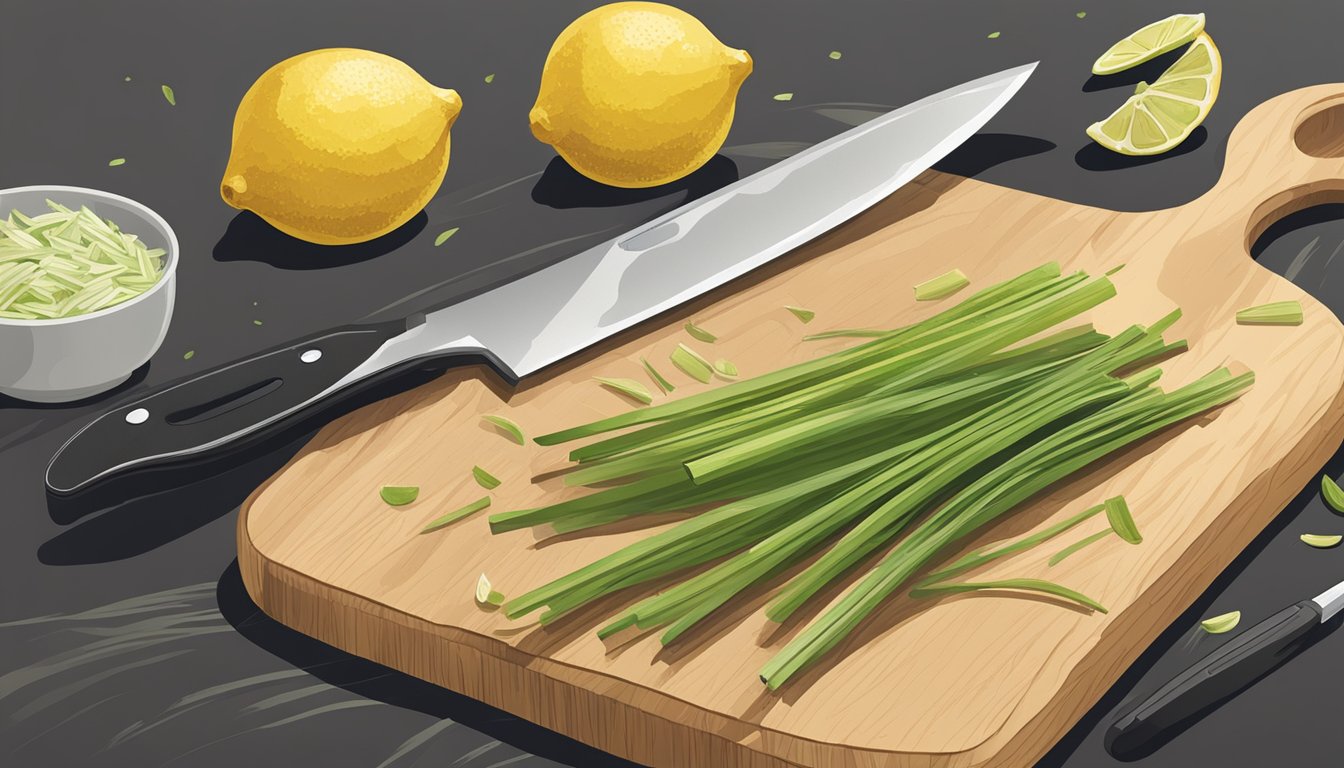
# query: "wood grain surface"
970,680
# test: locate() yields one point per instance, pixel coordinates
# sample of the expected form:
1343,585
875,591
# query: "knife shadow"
374,681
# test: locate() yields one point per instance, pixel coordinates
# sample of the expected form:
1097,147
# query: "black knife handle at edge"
220,410
1243,660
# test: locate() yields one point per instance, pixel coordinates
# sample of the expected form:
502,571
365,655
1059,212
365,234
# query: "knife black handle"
224,409
1242,661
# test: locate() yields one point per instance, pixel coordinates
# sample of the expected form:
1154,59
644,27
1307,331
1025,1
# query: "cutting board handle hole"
1320,129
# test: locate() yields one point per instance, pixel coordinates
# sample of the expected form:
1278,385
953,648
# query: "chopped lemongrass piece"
507,426
1081,14
457,514
725,368
486,594
1332,493
1274,313
399,495
1320,541
490,78
1220,624
700,334
783,97
993,35
941,286
804,315
628,387
835,55
692,364
1059,556
168,94
1029,585
444,235
486,480
114,162
1122,522
977,559
190,353
657,377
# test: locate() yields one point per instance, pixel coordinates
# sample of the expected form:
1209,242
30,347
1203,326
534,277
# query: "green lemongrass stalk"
976,559
1076,546
998,491
983,302
1027,585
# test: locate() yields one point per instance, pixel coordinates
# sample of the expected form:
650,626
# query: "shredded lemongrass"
941,286
65,263
1027,585
700,334
457,514
692,364
484,479
507,426
1274,313
628,387
1064,553
1217,625
657,377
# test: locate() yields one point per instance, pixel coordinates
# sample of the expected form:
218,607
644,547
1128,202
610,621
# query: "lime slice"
1162,115
1150,42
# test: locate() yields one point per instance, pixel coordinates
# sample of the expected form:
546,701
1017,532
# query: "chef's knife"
548,315
1241,661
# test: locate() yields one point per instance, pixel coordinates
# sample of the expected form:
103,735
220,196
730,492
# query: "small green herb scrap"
486,480
490,78
510,428
1077,545
114,162
190,353
458,514
783,97
692,364
168,94
993,35
256,322
628,387
444,235
127,78
486,593
1081,14
1122,522
1273,313
941,286
1028,585
1332,493
700,334
1320,541
835,55
399,495
977,559
804,315
725,368
657,377
1220,624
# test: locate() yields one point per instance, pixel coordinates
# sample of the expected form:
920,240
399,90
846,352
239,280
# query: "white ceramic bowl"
51,361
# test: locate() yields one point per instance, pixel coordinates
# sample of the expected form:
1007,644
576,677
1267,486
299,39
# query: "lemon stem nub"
233,189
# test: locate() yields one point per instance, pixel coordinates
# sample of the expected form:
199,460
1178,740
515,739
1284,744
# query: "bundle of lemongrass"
926,433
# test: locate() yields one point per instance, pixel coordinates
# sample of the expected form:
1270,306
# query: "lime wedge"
1160,116
1150,42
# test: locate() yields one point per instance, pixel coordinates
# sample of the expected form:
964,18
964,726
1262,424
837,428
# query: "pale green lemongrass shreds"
66,263
1081,544
1321,541
977,559
804,315
725,369
657,377
628,387
700,334
1221,623
1332,493
1274,313
444,235
1122,522
507,426
1026,585
484,479
692,364
457,514
169,95
941,286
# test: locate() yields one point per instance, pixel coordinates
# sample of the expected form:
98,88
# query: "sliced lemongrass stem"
484,478
1224,622
399,495
628,387
1028,585
458,514
692,364
977,559
657,377
700,334
1274,313
1321,541
508,426
1079,545
941,286
1122,522
1332,493
804,315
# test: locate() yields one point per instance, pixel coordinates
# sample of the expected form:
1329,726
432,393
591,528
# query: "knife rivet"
311,356
138,416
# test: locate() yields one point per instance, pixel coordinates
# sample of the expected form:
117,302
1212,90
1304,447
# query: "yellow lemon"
637,94
339,145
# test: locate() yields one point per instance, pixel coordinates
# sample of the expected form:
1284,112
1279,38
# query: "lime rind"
1150,42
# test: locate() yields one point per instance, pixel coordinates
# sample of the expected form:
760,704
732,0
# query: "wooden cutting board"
973,680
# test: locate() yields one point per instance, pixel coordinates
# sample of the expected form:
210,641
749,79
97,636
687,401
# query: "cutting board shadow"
991,679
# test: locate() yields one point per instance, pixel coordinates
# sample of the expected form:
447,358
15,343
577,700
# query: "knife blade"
541,318
1213,679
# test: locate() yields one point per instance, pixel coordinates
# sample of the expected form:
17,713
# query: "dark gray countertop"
126,637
